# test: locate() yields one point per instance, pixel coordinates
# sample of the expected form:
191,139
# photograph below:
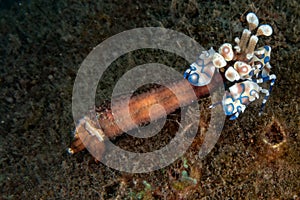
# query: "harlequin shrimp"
243,67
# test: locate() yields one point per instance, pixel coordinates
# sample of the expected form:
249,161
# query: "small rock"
9,99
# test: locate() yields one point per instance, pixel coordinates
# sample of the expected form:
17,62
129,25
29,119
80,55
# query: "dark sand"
42,46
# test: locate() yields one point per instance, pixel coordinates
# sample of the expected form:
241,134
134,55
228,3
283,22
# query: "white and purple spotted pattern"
201,72
245,69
